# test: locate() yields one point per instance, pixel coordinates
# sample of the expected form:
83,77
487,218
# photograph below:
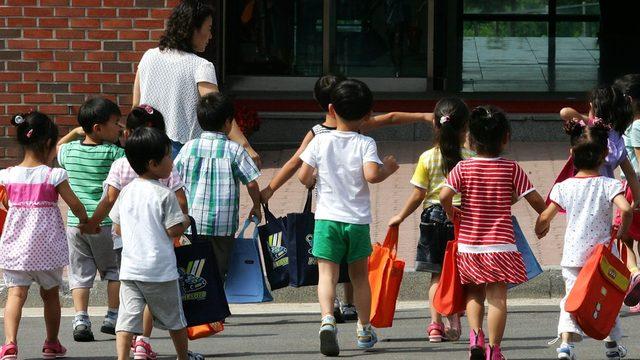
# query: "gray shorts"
89,254
164,301
47,279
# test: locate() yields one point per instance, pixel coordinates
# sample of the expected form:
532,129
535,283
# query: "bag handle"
391,240
307,205
246,225
622,250
268,216
194,230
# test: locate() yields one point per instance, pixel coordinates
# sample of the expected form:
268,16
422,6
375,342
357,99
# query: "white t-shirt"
169,82
144,210
343,192
588,202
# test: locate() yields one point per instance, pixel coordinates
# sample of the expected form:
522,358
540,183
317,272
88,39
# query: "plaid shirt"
212,168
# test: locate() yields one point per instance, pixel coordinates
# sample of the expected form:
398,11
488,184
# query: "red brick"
116,67
101,56
69,34
102,34
126,78
21,2
156,34
37,55
10,55
116,88
54,88
133,13
69,99
37,33
54,3
5,163
21,22
118,3
101,13
86,3
86,45
38,11
10,11
66,120
130,56
10,99
172,3
101,78
22,65
54,66
69,77
149,3
85,23
68,12
54,44
22,88
10,33
38,98
149,24
125,100
22,44
53,22
54,109
85,66
38,77
118,45
14,109
85,88
10,76
161,13
116,23
144,45
70,55
133,35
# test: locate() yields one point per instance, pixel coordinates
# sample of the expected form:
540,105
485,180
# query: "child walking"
147,216
428,179
488,258
587,198
345,162
87,162
33,245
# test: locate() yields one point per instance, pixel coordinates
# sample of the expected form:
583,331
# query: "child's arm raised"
626,214
414,200
544,220
69,197
395,118
75,134
536,201
254,192
570,113
632,180
375,173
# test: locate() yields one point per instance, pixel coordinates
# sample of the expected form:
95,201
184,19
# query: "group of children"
127,204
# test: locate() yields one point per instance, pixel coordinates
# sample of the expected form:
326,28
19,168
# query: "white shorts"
47,279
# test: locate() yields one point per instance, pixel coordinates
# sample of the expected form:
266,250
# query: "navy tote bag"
273,240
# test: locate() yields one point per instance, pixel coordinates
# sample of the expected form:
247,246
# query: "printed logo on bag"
278,252
312,259
191,281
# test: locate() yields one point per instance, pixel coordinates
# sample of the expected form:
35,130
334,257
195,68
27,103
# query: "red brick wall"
56,53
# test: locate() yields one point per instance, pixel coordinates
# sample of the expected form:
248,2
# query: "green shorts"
339,242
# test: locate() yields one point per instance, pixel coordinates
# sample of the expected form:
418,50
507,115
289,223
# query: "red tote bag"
385,277
450,297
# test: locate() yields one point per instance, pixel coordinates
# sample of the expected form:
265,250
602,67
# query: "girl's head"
452,118
629,85
37,133
144,116
609,104
189,27
324,86
489,130
588,143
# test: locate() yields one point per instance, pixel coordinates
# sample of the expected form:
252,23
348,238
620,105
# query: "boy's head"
99,118
215,112
323,87
148,150
588,143
489,130
351,100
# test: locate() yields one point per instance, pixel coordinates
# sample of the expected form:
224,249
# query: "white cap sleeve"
206,72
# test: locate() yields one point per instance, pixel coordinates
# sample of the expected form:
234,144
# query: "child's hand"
542,228
395,220
257,212
390,164
89,228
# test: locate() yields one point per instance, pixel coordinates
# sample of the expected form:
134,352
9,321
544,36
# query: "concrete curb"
548,285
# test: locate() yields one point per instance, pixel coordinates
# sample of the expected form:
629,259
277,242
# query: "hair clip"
147,108
444,119
29,133
18,119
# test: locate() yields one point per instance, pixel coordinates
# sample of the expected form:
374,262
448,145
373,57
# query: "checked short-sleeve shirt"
212,168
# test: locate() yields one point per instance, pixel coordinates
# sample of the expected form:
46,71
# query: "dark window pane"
590,7
506,6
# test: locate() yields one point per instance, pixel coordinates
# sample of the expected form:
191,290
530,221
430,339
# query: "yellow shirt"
429,175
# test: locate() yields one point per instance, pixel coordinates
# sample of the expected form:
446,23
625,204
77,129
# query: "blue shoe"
329,337
565,351
367,337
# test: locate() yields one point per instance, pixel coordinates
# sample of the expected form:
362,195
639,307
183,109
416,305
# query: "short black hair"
213,111
144,145
630,86
589,144
488,127
187,17
352,99
145,115
96,111
323,87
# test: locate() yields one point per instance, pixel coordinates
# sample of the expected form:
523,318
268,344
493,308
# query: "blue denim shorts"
435,231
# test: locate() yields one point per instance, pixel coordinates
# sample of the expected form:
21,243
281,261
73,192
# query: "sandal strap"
8,347
435,327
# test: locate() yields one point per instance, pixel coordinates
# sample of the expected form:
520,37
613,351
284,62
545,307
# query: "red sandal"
53,350
9,352
435,332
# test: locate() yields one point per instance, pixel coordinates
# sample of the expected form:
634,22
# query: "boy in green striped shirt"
87,162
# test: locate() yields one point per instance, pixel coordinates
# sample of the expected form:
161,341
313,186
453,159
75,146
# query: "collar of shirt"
214,135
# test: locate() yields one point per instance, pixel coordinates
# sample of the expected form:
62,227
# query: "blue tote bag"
273,240
245,281
531,264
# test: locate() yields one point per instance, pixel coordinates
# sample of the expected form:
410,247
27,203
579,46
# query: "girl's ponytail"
451,118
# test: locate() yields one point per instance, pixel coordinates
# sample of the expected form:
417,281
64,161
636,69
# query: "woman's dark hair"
451,119
609,104
323,87
145,115
35,132
352,99
588,143
488,126
187,17
630,87
144,145
213,111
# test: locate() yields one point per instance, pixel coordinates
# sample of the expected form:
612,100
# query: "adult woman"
172,77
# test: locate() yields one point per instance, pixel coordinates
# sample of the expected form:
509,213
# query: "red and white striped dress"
487,251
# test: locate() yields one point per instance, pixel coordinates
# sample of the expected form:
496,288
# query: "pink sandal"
9,352
53,350
435,332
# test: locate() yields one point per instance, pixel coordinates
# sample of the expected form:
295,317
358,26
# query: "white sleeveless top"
169,82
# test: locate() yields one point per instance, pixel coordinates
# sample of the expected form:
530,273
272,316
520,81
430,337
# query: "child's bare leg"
181,343
632,263
80,299
475,306
13,312
348,293
328,273
113,294
51,301
568,337
497,320
147,322
359,274
435,315
123,344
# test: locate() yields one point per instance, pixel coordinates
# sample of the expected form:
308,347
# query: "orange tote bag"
385,277
450,297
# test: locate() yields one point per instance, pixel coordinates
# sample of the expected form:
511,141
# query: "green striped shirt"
88,167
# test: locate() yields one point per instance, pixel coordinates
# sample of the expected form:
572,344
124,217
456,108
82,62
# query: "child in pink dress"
488,258
33,246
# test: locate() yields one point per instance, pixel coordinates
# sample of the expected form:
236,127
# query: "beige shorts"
47,279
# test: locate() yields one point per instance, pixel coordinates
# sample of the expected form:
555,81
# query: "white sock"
142,338
363,327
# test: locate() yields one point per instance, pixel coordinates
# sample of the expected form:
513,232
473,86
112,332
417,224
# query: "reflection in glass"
590,7
506,6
